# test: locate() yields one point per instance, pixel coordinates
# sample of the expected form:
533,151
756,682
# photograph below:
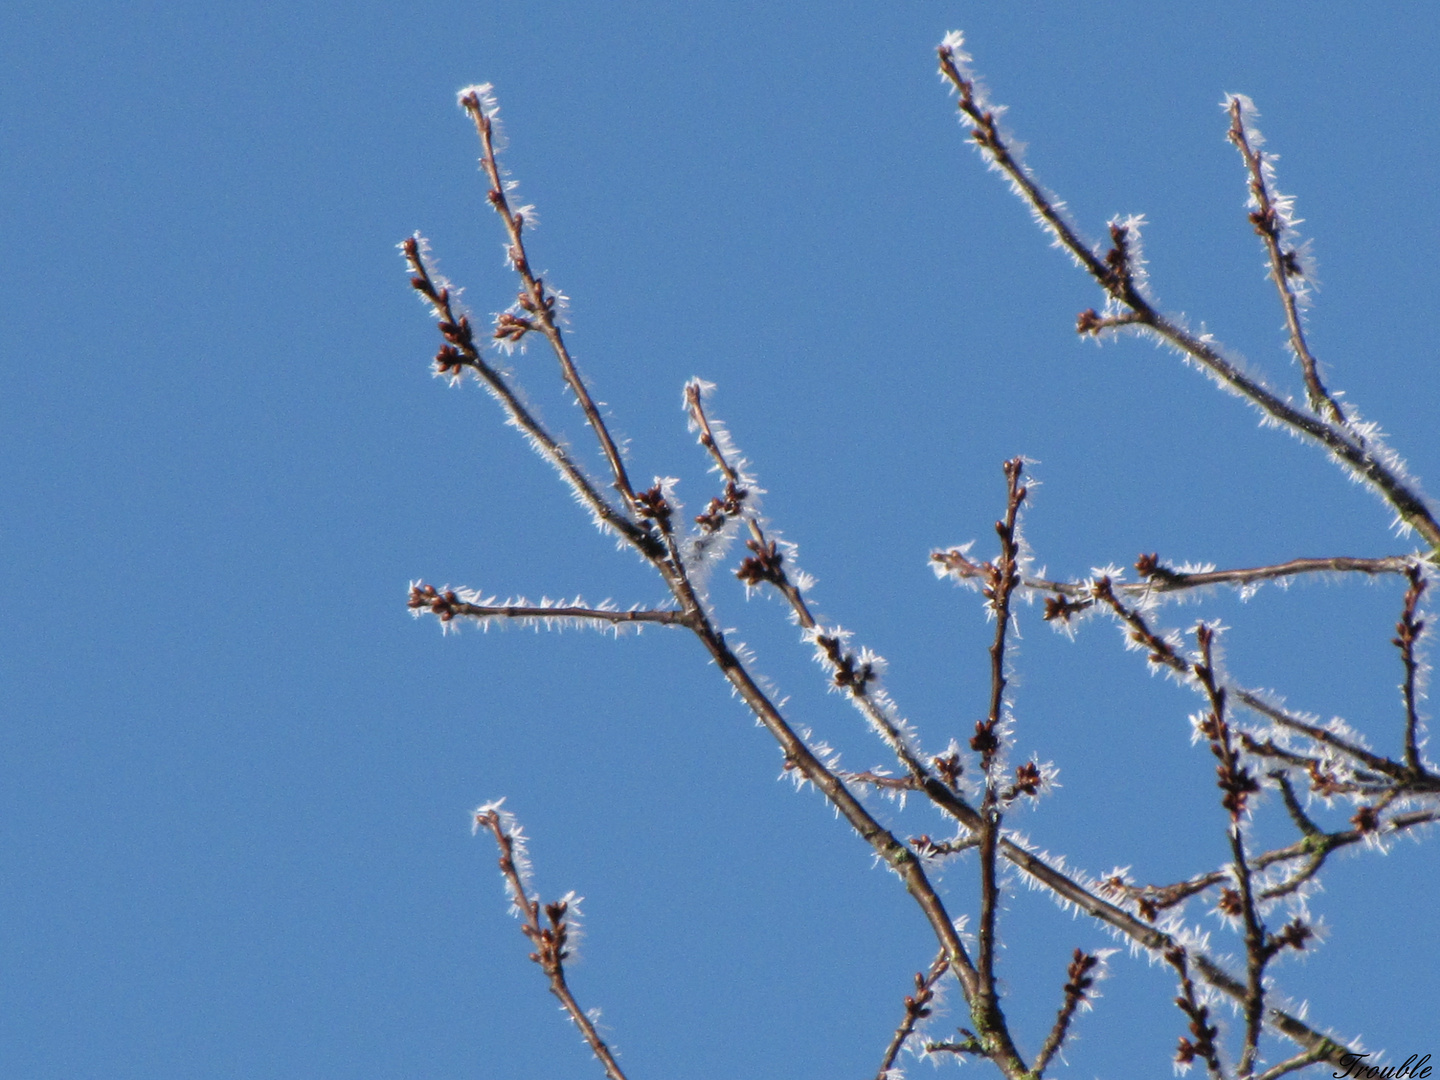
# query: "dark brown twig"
1201,1040
850,670
460,352
1001,580
1407,634
1080,978
1238,784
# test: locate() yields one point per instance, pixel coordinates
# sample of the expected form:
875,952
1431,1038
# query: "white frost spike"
575,925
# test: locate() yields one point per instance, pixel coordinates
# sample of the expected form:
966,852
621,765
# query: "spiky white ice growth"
724,441
519,849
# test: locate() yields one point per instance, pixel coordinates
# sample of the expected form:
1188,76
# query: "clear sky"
235,775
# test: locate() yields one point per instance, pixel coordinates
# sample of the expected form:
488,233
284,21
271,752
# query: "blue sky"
235,775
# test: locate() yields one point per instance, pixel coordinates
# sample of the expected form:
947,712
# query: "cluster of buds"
550,941
1234,779
985,741
1119,280
510,327
1150,568
1059,606
917,1005
1201,1042
850,673
1323,780
1294,936
764,564
1080,975
949,767
449,361
1366,819
722,509
446,605
1027,782
653,506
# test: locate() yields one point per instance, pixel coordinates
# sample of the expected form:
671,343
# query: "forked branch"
1120,275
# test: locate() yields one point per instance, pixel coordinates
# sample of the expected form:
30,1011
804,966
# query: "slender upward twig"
550,938
1001,580
1079,979
460,351
1271,219
917,1008
1407,635
1201,1041
1238,784
537,301
850,670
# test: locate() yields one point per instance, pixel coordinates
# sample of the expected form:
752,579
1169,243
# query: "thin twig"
847,667
917,1008
1378,762
1077,990
448,604
1270,223
550,940
1000,583
1201,1040
1238,784
1407,634
537,301
1293,1064
460,351
1068,598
